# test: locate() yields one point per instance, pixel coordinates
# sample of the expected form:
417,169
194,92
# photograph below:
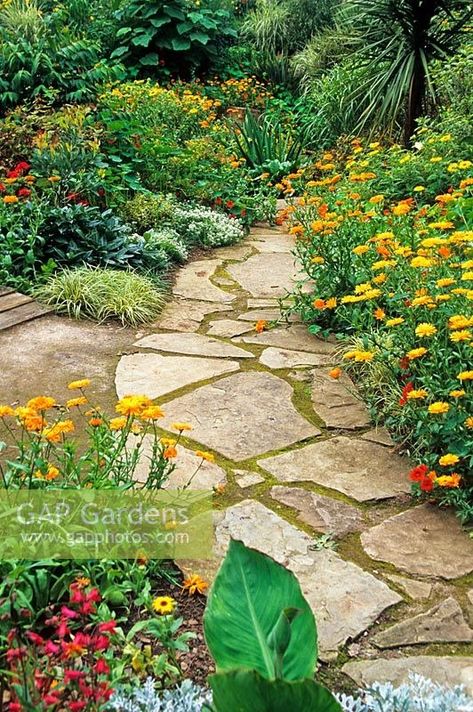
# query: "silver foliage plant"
417,695
188,697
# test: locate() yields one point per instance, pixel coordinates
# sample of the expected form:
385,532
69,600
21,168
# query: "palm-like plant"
399,41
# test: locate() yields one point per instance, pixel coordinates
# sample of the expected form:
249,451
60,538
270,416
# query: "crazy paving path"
300,460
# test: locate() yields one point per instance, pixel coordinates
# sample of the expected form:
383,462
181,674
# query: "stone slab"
417,590
361,470
265,275
191,472
283,358
443,623
193,282
262,303
271,242
323,514
294,338
345,599
261,315
401,541
451,671
380,436
155,375
234,252
336,403
248,479
184,315
192,345
242,416
228,328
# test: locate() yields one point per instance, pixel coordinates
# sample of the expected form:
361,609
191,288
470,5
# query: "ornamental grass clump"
101,294
395,278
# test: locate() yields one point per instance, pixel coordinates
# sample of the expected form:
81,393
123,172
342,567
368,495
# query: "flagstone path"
304,471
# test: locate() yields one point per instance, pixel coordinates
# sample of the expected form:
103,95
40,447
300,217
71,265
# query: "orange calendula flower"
51,473
10,199
319,304
170,453
335,373
181,426
457,393
34,423
260,326
416,353
95,421
78,385
449,481
195,584
417,394
41,403
379,314
54,432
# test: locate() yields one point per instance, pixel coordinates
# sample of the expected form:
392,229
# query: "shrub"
147,211
206,227
168,37
101,294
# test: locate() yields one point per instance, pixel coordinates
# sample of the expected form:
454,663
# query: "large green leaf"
250,594
246,691
179,44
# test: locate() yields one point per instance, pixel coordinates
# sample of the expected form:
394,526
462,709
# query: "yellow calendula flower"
76,402
438,408
459,393
449,481
417,394
118,423
445,282
448,459
181,426
467,277
469,422
317,260
459,321
132,405
423,262
462,335
421,301
208,456
360,249
425,330
380,278
164,605
51,473
153,412
78,385
465,376
6,411
364,356
395,322
416,353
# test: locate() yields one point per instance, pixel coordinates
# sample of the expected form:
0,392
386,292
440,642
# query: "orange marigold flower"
195,584
335,373
379,314
170,453
449,481
260,326
319,304
34,423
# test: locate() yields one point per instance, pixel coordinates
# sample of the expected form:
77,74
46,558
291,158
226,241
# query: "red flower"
77,706
427,483
404,363
35,638
418,473
101,667
407,389
229,204
100,642
51,648
2,188
23,193
15,654
71,675
68,612
51,699
107,627
218,201
15,707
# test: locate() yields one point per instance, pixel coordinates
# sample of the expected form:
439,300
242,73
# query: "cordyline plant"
399,40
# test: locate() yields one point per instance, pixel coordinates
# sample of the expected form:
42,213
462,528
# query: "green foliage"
171,36
253,621
266,146
398,42
266,659
147,211
247,691
76,234
101,294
